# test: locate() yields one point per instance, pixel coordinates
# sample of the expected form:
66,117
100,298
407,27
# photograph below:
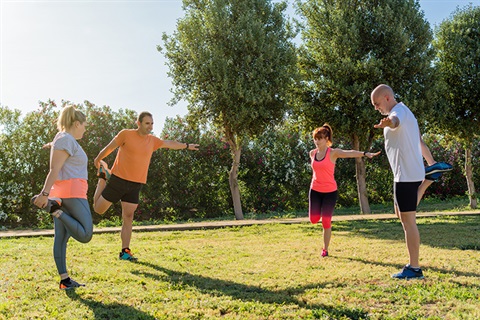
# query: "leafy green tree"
275,170
457,41
349,47
233,61
185,185
23,162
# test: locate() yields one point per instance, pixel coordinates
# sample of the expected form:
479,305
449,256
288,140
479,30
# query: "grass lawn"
259,272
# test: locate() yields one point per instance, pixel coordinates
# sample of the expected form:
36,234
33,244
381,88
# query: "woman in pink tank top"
323,188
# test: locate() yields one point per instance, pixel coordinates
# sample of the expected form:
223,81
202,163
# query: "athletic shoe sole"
442,167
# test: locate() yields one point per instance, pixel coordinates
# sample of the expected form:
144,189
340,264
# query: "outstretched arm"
171,144
339,153
391,122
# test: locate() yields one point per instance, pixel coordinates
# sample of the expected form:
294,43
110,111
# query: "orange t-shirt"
134,154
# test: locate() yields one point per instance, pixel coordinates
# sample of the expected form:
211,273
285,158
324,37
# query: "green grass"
455,204
259,272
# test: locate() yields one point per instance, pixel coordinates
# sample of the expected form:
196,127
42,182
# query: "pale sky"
102,51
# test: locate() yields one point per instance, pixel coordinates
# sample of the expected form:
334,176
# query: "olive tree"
233,61
349,47
457,42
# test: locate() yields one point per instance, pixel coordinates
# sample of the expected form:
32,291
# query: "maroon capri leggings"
321,205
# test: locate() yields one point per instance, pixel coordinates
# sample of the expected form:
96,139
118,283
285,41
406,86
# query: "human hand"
193,146
385,122
370,155
40,201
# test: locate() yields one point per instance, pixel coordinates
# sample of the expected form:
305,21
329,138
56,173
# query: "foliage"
23,163
233,61
276,171
349,47
453,183
348,50
187,184
458,62
259,272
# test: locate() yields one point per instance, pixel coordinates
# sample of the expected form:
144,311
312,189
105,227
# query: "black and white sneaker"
68,283
53,204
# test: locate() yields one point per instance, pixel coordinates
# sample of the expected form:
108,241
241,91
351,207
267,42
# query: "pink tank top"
323,179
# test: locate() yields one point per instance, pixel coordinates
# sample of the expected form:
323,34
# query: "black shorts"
405,195
121,189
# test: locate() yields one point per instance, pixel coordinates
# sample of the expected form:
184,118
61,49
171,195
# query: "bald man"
404,146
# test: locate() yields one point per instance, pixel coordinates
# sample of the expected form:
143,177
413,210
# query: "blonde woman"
64,193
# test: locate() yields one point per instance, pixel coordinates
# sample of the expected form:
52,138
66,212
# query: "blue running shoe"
103,171
438,167
434,176
126,254
408,273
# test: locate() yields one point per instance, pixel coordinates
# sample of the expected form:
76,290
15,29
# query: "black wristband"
364,153
186,146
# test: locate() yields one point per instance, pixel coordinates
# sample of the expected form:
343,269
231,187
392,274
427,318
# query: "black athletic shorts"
405,195
121,189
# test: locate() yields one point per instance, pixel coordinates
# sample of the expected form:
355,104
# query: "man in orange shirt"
129,172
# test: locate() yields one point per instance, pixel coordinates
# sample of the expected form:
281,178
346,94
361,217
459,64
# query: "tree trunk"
361,183
469,176
233,180
236,151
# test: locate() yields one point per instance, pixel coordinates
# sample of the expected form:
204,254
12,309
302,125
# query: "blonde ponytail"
68,116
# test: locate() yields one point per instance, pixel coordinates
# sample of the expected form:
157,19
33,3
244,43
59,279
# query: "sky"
103,51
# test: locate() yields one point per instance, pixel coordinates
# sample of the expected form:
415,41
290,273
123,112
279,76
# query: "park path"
227,223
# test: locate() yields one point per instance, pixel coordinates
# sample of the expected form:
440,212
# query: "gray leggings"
75,221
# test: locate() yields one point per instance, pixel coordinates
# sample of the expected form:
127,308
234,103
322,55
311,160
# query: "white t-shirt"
402,145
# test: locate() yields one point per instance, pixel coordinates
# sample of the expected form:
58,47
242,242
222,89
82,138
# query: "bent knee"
99,211
314,219
85,238
99,208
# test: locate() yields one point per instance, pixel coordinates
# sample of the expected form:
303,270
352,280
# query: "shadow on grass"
451,232
383,264
111,310
243,292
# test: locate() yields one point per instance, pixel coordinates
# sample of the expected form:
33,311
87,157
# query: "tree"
351,46
233,61
23,163
457,41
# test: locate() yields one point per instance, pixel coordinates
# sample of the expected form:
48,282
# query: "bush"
274,173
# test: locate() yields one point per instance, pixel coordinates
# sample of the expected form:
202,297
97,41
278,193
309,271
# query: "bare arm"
56,163
171,144
105,152
391,122
339,153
